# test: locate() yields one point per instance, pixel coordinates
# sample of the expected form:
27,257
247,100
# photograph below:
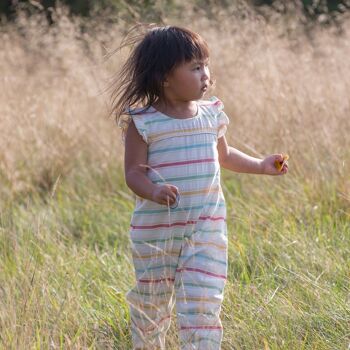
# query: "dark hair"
161,49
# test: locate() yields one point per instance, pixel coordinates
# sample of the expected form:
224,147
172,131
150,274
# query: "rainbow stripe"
180,253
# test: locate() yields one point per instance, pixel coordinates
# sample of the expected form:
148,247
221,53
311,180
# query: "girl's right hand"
165,194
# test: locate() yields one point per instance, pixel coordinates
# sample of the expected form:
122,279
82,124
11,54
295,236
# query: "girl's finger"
169,200
174,189
172,195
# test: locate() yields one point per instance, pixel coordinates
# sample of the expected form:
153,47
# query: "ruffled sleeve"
123,124
222,119
140,126
138,119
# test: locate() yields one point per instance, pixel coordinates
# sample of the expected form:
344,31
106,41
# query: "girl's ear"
165,83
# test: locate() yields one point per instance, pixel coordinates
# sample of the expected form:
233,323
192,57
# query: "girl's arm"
232,159
136,175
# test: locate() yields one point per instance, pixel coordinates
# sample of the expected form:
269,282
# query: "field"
65,263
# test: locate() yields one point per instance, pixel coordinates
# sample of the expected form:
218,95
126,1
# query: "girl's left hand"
269,168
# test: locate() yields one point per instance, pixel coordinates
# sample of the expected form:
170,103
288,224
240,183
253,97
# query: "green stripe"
156,211
179,148
156,268
209,231
197,313
186,284
159,240
197,340
152,294
202,256
204,176
157,121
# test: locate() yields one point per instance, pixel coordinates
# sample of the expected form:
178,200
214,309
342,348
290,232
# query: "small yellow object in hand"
280,164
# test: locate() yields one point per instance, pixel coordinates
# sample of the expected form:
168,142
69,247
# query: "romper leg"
199,283
152,299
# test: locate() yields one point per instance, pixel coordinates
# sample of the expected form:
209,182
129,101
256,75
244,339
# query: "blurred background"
282,70
278,63
154,10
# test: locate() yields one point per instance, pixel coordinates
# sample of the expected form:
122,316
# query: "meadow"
65,263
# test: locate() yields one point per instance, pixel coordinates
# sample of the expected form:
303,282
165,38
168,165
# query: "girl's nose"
206,74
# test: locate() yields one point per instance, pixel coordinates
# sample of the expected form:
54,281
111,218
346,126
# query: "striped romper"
180,254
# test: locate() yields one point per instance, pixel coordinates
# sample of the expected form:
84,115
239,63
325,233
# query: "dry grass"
53,112
52,108
289,247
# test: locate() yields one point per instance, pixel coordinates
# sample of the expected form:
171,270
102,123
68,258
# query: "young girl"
174,148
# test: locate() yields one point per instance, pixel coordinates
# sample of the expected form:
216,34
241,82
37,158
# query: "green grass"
66,265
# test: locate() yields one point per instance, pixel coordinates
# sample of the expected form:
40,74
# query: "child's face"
188,81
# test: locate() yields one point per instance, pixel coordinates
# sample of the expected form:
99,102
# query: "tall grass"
65,210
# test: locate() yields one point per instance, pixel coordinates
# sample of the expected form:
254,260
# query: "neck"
176,108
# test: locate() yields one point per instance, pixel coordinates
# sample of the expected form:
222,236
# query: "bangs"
178,45
192,46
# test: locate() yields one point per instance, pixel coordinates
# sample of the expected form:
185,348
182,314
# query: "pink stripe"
201,327
211,218
157,281
191,222
201,271
208,160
